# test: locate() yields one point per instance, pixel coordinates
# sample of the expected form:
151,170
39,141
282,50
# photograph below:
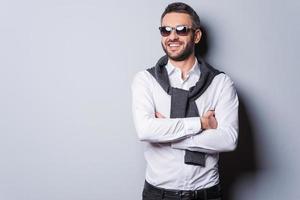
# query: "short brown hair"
180,7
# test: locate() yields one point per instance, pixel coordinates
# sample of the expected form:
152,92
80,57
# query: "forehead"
174,19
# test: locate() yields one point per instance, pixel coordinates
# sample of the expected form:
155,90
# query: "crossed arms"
214,131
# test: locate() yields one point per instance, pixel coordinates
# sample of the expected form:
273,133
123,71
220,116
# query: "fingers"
213,124
211,121
210,113
159,115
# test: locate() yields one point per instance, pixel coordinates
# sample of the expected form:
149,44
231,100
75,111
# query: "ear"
197,36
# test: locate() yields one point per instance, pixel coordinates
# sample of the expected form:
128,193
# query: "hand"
208,120
158,115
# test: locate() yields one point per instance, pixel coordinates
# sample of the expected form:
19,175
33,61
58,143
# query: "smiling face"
179,48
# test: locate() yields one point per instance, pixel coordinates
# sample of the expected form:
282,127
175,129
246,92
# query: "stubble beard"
184,54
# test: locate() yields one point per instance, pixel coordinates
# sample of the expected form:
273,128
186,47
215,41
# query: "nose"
173,35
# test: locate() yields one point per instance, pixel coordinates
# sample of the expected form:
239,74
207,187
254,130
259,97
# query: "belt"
206,193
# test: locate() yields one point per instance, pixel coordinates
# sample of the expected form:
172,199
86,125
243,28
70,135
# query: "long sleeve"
153,129
224,138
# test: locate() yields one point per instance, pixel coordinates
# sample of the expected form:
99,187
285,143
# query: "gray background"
66,130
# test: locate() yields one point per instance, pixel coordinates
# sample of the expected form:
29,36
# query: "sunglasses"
180,30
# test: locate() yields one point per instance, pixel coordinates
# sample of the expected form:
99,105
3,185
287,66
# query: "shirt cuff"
192,125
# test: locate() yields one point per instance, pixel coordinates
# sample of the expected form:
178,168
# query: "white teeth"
174,45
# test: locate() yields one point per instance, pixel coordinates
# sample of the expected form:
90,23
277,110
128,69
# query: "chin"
175,56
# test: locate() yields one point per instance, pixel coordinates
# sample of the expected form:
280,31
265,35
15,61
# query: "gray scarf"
183,101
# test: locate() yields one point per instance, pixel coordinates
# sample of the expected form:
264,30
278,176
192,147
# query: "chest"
207,101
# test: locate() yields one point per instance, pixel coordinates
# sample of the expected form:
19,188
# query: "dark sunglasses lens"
165,31
182,30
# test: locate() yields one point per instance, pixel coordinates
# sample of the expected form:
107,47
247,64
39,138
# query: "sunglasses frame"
176,29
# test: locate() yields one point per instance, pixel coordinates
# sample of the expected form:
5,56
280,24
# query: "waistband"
211,192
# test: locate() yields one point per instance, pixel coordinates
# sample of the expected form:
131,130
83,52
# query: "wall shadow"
202,47
242,161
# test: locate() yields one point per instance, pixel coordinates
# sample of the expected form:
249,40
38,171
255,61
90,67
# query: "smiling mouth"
174,44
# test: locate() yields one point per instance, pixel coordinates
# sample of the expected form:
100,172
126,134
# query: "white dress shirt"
167,139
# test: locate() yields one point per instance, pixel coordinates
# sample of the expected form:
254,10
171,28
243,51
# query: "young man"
186,112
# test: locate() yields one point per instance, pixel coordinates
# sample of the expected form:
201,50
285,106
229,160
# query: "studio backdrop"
66,67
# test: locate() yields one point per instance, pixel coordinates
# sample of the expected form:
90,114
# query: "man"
186,112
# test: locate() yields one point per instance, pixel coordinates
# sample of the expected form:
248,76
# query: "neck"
185,65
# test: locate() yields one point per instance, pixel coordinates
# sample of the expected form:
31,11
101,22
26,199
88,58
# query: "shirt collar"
194,70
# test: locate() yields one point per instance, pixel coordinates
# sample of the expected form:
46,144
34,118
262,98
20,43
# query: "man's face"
177,47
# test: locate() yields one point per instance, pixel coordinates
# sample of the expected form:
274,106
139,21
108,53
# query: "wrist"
203,123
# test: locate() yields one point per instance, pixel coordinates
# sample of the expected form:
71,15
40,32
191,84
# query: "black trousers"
151,192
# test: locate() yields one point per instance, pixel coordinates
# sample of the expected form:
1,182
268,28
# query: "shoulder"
223,79
142,78
223,83
142,75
